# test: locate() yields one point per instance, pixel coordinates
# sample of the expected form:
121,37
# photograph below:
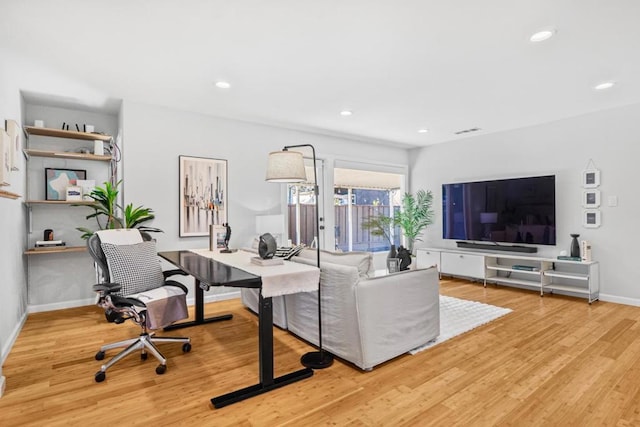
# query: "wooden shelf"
9,195
55,251
66,155
71,134
59,202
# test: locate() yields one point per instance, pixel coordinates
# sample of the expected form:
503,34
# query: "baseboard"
216,297
80,303
6,348
60,305
620,300
3,383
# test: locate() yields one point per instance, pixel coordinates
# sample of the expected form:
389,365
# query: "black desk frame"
204,271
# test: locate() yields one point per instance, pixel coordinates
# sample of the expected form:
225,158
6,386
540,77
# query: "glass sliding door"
301,205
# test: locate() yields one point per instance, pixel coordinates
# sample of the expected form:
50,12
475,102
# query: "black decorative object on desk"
575,246
267,246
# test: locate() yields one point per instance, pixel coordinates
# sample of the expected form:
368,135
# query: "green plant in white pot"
415,215
105,210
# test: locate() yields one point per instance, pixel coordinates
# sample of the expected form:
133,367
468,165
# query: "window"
360,195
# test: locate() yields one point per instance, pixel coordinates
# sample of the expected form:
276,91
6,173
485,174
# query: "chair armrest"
177,271
107,288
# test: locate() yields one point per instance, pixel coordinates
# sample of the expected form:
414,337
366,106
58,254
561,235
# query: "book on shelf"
50,247
525,267
49,242
266,262
569,258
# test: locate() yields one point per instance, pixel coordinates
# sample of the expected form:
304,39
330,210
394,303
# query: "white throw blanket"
283,279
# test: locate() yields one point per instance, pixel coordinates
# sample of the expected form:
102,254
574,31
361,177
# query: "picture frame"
591,218
5,158
13,129
202,194
591,199
57,180
591,178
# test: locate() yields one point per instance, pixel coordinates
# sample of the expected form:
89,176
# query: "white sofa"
365,320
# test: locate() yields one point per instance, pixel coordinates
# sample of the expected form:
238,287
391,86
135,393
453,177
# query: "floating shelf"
9,195
66,155
55,251
59,202
71,134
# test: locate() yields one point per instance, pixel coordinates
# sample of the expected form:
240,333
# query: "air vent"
460,132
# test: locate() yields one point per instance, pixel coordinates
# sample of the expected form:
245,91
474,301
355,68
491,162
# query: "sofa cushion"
363,261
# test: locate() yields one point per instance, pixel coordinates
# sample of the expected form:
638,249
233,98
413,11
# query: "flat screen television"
517,210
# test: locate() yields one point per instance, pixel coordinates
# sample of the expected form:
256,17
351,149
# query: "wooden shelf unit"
66,155
70,134
59,202
9,195
67,249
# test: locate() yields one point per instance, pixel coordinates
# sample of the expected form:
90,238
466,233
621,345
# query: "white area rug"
458,316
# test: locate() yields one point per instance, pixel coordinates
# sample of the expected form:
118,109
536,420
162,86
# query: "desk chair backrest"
117,237
123,236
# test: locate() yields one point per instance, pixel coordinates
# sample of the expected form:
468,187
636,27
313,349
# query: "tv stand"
495,247
545,275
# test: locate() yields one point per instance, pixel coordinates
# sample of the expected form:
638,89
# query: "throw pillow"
135,267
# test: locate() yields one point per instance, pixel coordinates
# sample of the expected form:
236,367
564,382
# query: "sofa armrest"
397,313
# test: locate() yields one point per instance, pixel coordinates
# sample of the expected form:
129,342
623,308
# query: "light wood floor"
552,361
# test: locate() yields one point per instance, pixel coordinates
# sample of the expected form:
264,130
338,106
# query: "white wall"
611,138
154,137
13,288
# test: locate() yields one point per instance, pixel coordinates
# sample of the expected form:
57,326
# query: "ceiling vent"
460,132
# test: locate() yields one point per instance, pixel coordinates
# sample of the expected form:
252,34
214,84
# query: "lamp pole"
316,359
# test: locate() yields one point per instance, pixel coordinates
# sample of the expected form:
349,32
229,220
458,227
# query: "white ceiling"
398,65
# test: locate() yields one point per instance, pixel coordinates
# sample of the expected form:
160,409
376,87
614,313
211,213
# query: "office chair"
132,286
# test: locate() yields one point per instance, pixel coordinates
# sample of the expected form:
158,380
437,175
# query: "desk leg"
265,354
199,311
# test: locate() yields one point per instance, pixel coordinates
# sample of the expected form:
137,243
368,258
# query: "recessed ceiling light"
223,85
604,85
541,36
423,130
346,113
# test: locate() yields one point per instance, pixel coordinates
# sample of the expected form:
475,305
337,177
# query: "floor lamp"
288,166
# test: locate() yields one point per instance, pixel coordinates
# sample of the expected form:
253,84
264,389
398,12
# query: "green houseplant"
106,208
415,215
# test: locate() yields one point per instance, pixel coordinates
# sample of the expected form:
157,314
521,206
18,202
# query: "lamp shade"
286,166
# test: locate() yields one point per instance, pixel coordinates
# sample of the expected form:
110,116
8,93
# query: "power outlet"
612,201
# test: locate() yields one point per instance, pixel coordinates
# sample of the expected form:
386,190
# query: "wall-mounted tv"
517,210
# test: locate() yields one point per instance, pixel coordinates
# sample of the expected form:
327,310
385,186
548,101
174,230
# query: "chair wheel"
161,369
186,347
144,356
100,376
100,355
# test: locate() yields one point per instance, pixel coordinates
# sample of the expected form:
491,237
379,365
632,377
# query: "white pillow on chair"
135,267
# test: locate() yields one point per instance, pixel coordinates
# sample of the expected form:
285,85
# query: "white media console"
574,278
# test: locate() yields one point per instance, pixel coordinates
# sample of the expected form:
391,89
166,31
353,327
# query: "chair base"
145,342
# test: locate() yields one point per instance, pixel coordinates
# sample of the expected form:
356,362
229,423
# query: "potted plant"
106,208
414,216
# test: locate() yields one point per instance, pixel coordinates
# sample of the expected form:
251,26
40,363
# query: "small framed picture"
591,178
57,181
591,218
591,199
